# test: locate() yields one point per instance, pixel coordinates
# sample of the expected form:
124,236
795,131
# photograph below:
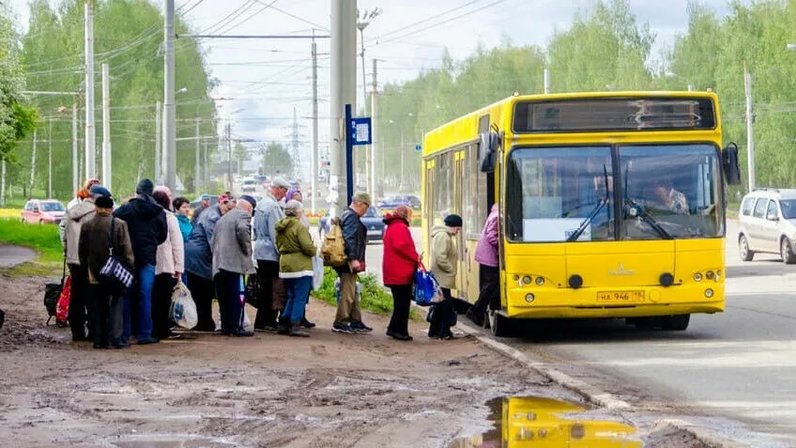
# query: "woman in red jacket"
398,269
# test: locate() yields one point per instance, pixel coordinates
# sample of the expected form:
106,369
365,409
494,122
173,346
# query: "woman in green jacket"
296,250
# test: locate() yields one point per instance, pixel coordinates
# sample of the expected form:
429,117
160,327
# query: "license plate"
374,232
620,296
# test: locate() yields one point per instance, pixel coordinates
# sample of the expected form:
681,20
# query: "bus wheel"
786,251
643,323
678,322
499,325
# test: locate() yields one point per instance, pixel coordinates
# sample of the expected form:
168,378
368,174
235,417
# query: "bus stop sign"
361,133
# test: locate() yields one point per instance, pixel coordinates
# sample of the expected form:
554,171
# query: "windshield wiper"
634,210
594,211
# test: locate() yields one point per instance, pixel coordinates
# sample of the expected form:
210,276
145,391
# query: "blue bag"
425,287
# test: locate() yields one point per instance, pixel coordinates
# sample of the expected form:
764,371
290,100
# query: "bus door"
459,159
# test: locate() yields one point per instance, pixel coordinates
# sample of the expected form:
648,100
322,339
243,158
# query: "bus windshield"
558,194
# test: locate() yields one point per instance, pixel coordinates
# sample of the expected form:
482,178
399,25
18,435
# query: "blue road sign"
361,132
418,147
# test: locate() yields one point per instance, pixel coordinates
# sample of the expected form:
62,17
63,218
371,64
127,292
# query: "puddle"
543,422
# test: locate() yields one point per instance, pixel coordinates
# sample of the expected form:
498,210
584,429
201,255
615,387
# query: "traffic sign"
361,131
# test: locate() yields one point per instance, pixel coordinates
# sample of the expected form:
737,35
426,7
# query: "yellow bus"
612,204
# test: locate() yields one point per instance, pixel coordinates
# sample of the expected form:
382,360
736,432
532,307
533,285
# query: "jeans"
228,291
401,301
138,301
298,292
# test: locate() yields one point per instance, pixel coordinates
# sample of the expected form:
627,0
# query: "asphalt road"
735,371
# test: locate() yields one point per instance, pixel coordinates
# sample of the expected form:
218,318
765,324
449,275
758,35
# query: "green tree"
277,160
16,119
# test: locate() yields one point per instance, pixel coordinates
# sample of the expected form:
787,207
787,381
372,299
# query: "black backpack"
52,291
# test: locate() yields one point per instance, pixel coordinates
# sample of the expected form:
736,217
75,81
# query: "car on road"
373,222
405,199
249,186
43,211
767,224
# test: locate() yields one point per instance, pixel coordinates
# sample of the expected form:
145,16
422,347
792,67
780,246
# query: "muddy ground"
331,390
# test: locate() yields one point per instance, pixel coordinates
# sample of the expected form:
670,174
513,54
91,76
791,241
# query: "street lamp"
364,20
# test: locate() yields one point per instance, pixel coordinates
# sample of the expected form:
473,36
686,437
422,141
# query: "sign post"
358,132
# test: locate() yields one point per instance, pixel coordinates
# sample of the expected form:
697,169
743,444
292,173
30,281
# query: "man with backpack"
349,317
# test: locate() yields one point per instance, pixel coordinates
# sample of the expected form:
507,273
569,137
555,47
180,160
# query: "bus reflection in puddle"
543,422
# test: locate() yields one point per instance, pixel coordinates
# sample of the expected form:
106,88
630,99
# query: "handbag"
115,274
426,286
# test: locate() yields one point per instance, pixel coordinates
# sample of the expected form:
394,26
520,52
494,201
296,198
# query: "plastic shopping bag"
317,272
183,308
425,287
64,299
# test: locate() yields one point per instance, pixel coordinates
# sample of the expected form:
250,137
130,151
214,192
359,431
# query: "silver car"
768,224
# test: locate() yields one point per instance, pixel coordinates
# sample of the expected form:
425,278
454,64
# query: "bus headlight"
525,434
710,275
708,293
698,277
526,280
530,297
539,281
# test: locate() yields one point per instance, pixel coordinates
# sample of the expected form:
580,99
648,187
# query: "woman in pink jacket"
486,254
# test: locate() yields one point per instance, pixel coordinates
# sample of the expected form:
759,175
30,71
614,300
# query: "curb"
591,393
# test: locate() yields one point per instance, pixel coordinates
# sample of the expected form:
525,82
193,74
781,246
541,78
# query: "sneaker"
295,332
360,327
241,333
339,327
149,340
306,324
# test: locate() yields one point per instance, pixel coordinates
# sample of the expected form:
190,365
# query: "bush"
374,297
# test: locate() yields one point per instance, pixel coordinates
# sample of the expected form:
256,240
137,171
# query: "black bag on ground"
52,291
252,290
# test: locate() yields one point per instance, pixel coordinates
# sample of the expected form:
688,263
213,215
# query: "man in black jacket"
146,221
349,317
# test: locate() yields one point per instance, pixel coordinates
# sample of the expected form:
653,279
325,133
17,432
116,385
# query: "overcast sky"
269,78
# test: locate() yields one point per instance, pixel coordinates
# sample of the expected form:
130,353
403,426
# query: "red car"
43,211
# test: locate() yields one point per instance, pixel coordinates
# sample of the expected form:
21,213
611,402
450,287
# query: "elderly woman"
169,266
296,249
444,259
399,264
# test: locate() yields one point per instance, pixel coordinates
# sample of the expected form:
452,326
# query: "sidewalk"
13,255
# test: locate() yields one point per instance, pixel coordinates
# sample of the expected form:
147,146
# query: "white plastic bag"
317,272
183,308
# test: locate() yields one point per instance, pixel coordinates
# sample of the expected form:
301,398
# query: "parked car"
767,221
43,211
394,201
373,221
249,186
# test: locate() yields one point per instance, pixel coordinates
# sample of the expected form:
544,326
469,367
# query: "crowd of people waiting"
217,246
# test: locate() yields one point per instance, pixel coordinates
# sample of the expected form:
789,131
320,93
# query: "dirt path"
13,255
330,390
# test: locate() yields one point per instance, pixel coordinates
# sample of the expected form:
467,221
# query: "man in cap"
349,317
232,258
199,263
79,305
266,215
204,203
146,221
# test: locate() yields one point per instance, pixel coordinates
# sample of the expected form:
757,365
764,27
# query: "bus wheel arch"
500,325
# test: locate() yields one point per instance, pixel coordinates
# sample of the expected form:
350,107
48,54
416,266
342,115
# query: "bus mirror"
490,142
729,159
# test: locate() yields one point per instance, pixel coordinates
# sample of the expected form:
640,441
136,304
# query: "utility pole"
373,113
32,166
50,158
204,168
750,140
546,81
91,134
229,154
343,87
3,183
158,142
314,166
197,168
295,147
75,156
402,187
107,174
169,119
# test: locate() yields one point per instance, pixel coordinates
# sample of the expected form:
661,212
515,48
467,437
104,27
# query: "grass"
42,238
374,298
